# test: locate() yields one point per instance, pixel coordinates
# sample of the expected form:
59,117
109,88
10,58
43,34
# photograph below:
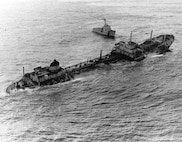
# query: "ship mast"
23,70
104,21
130,36
100,54
151,34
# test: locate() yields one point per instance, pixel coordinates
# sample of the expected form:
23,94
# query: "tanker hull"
130,51
159,44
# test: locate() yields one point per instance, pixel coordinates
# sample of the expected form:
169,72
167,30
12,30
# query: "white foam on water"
156,55
78,79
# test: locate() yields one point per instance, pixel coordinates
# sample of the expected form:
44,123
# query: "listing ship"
105,30
53,74
159,44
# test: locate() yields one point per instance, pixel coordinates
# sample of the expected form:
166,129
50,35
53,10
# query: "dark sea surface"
121,102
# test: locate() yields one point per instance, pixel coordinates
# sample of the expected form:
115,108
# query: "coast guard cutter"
105,30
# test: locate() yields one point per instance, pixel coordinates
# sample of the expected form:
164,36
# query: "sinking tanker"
53,74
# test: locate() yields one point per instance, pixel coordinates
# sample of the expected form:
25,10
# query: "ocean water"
121,102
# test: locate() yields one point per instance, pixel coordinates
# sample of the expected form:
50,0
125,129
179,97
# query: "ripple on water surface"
125,101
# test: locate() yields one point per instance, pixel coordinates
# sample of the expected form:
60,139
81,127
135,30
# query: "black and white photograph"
90,71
